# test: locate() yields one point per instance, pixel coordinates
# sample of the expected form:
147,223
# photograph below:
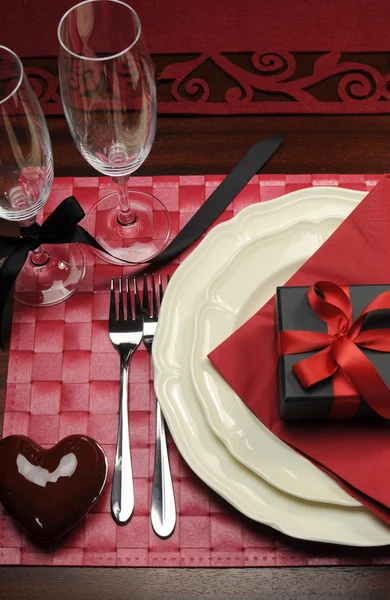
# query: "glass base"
55,279
137,242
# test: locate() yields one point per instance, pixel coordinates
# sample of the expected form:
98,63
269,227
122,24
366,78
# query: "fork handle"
163,508
122,491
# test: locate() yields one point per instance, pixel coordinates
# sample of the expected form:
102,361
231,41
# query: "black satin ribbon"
61,227
223,195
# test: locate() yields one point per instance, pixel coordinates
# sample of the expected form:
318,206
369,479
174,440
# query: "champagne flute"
53,273
109,98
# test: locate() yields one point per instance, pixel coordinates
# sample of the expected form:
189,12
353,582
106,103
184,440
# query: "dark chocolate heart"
49,491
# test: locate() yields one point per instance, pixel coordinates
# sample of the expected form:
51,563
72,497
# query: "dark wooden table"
198,145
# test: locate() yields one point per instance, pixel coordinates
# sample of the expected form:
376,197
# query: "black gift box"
293,312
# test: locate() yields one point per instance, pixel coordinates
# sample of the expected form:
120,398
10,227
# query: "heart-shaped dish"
49,491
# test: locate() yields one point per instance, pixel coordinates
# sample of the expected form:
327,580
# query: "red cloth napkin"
356,454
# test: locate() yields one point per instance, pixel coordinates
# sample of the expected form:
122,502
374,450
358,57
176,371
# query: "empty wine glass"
109,98
50,274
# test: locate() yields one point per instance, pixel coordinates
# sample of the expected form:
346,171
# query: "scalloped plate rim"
235,440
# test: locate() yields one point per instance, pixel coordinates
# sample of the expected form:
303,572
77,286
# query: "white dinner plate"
248,280
201,448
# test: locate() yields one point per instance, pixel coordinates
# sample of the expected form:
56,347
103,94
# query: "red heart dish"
49,491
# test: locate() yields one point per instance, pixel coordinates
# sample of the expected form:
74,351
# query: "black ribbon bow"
61,227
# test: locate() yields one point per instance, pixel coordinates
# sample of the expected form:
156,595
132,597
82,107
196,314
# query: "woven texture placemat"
63,379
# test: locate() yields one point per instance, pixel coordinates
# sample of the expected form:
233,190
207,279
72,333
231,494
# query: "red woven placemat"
63,379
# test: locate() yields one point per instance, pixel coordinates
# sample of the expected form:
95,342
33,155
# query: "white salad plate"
205,453
247,281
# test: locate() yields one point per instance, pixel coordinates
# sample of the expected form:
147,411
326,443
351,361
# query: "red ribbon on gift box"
340,356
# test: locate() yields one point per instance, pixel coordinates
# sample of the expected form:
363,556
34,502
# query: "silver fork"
163,508
125,334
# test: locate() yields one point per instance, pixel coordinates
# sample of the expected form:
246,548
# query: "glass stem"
126,215
40,256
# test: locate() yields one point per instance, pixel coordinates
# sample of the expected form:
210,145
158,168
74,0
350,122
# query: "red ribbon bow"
340,355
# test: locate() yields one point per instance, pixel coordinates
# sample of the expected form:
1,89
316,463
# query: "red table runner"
255,57
178,27
63,378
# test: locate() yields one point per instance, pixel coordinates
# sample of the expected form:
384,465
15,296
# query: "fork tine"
121,314
160,288
154,297
145,297
137,302
112,316
128,299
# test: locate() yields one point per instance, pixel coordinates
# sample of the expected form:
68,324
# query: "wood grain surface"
198,145
46,583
